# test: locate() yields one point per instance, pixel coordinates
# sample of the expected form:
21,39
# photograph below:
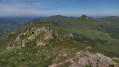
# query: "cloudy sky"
59,7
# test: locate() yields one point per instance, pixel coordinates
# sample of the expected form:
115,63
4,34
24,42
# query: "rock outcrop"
87,59
40,34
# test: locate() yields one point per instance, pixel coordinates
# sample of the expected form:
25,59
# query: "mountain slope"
60,41
91,31
41,47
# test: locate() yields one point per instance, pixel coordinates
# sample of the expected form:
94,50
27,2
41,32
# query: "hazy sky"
56,7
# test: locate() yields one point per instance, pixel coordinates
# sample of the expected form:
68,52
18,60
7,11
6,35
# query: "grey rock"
94,60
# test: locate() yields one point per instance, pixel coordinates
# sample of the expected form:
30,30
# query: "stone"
56,34
10,45
31,37
48,36
23,44
64,55
18,37
41,44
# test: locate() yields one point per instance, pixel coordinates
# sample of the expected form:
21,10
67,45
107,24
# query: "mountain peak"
55,16
84,17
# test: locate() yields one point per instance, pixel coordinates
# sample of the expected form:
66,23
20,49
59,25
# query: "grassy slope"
32,56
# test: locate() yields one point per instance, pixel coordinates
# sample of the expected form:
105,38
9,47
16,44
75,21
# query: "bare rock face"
39,33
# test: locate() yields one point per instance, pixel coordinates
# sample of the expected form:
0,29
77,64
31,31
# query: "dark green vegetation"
9,24
101,34
115,60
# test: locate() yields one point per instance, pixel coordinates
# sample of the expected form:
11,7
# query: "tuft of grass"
115,60
76,59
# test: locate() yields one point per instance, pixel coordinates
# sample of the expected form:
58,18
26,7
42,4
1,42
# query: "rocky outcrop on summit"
40,34
87,59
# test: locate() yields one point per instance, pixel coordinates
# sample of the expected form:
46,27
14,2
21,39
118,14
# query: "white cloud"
10,11
23,9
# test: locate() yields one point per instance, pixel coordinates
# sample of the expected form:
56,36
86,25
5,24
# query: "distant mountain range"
9,24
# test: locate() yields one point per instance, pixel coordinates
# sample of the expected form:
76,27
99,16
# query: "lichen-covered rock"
39,33
48,36
18,37
94,60
31,37
87,59
41,43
